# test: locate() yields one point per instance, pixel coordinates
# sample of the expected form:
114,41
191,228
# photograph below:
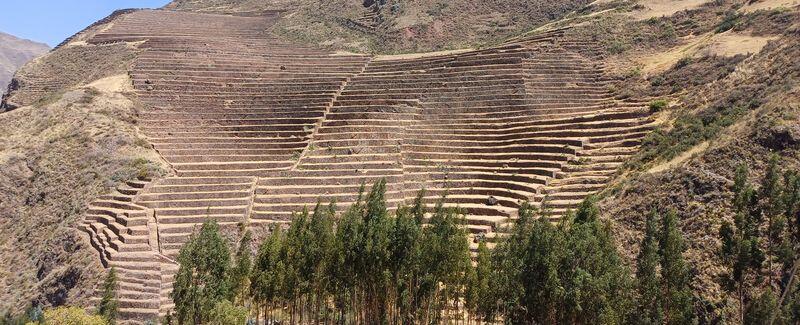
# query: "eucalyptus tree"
202,279
241,271
741,249
268,276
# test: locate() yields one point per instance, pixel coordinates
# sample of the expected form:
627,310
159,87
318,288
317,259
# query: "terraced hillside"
256,128
14,52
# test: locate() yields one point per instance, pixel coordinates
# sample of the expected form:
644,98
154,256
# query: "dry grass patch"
727,44
769,4
731,44
663,60
680,159
662,8
115,84
69,67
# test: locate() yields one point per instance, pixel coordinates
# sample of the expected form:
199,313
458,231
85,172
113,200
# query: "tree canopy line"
414,266
368,265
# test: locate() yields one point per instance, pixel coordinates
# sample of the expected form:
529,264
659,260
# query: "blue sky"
52,21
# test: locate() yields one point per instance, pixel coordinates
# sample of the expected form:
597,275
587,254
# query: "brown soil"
56,158
66,68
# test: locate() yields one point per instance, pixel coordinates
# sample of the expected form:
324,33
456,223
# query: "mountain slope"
244,112
396,26
250,126
14,52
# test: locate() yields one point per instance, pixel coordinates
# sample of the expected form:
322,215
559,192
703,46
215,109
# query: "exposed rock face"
14,52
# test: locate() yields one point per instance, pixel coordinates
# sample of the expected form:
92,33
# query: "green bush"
658,105
692,128
108,307
732,18
225,313
657,81
89,94
684,61
143,167
71,316
617,47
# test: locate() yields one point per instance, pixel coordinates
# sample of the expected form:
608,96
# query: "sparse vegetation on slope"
14,52
43,79
699,188
725,106
56,158
401,26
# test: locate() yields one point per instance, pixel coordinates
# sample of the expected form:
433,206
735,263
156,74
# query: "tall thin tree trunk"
258,314
741,304
786,291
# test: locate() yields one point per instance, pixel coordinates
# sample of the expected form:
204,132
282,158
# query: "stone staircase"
125,234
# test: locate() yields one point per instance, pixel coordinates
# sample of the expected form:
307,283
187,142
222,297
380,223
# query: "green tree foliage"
761,309
366,267
740,241
676,276
597,283
240,272
370,266
792,206
446,261
375,261
202,280
648,280
764,280
406,255
663,277
226,313
267,280
478,297
790,253
320,251
107,308
771,206
565,273
71,316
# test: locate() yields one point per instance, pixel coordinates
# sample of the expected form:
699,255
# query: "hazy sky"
52,21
